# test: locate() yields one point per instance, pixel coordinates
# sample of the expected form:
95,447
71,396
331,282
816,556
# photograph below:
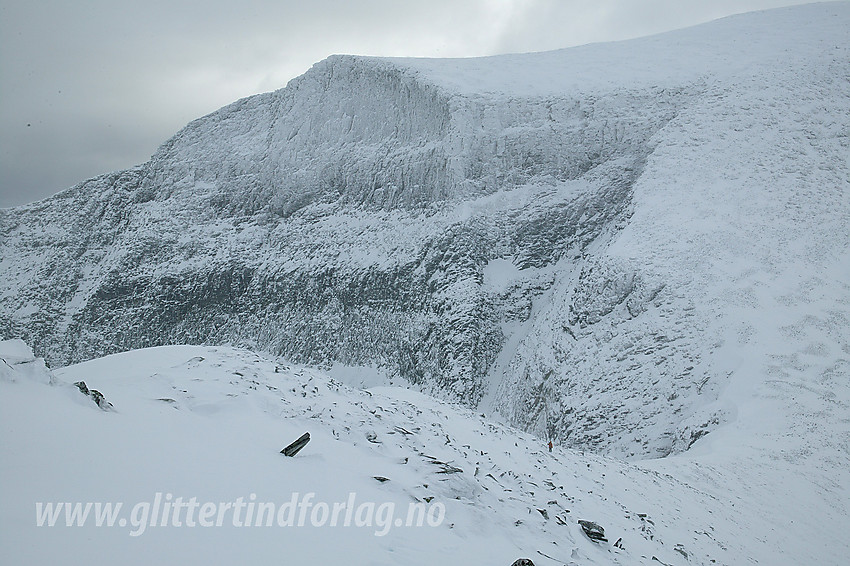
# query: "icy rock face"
467,226
346,218
612,348
367,132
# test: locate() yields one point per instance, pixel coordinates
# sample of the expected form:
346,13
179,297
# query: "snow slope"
740,231
209,422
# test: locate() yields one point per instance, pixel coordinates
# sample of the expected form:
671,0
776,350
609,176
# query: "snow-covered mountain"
599,244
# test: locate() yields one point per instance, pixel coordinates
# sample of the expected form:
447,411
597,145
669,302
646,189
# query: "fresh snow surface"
209,422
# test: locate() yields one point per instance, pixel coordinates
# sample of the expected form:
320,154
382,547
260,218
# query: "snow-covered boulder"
18,363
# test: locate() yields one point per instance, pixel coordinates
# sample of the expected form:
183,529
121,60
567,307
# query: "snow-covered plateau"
640,250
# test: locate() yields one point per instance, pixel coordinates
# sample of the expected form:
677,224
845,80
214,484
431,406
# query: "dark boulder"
296,446
593,531
95,396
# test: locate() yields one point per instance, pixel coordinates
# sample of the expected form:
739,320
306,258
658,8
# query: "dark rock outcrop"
593,531
95,396
296,446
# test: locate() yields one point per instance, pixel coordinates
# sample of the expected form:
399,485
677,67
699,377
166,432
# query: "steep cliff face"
466,226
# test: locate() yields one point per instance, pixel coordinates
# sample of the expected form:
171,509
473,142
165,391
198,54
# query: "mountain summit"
599,244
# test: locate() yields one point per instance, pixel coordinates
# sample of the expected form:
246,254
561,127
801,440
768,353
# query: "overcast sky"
92,86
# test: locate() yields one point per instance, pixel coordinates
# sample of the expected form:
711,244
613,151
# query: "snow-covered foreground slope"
208,423
585,240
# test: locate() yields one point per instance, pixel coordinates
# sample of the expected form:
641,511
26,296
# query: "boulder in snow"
593,531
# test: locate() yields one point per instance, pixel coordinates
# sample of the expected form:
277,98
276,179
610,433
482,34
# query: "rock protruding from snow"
95,395
593,531
296,446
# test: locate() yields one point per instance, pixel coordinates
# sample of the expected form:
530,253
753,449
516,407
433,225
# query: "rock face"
476,228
